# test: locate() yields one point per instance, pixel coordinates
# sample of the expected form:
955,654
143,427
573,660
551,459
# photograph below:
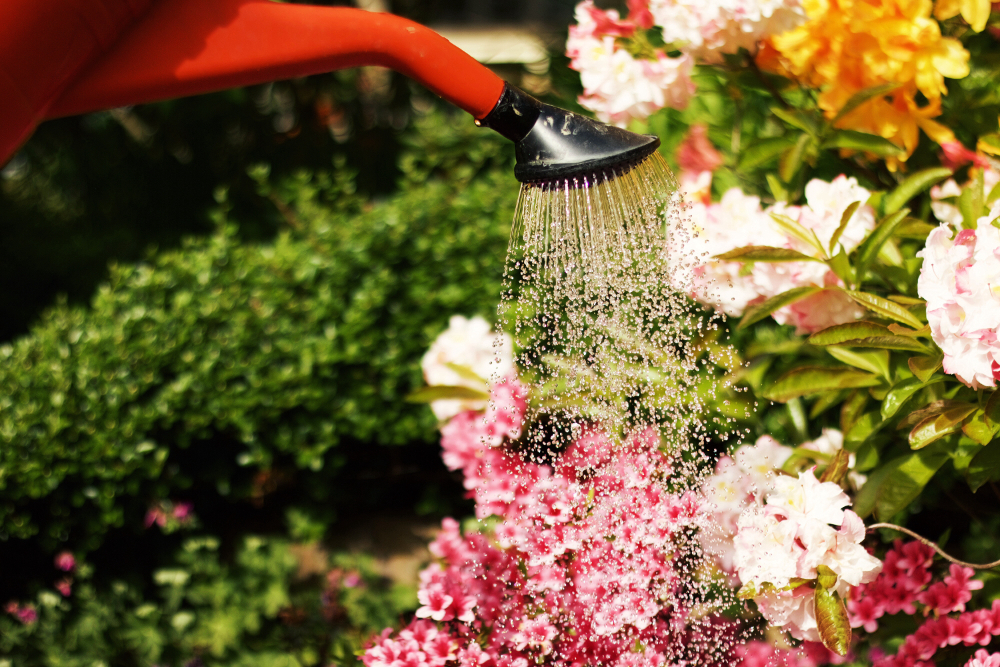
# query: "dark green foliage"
272,350
252,609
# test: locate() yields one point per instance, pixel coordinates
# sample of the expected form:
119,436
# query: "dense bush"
249,351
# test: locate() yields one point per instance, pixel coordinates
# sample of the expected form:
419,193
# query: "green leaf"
902,391
794,229
852,409
937,426
791,161
911,187
862,96
984,467
796,118
758,312
467,373
764,151
841,265
864,499
870,247
777,189
874,361
866,457
907,478
992,409
812,380
931,409
885,308
925,367
844,219
914,229
977,428
860,141
844,333
763,253
441,392
861,430
837,468
831,618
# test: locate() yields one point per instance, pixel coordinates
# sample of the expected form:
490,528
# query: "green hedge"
275,350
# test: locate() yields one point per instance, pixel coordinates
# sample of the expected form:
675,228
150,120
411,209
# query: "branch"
934,546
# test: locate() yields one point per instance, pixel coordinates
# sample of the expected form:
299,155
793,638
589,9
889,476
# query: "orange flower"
850,45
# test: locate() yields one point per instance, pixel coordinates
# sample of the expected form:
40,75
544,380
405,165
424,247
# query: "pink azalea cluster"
584,563
170,515
984,658
26,613
802,525
904,582
618,86
738,220
958,280
967,629
758,653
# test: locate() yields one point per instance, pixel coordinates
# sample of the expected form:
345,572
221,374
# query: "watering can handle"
174,48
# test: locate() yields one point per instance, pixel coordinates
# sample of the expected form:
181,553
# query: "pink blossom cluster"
170,515
756,653
582,564
801,526
466,354
958,280
904,582
26,613
984,658
966,629
617,85
738,220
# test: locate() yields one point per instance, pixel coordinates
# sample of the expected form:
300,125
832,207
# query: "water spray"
587,293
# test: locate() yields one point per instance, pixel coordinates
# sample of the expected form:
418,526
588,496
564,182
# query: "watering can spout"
59,59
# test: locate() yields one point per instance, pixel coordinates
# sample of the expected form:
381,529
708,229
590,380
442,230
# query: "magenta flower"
65,561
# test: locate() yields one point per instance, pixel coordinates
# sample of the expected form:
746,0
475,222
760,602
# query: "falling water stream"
604,336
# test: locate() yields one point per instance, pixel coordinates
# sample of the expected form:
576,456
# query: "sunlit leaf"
811,380
875,361
831,618
800,119
885,308
860,141
794,229
902,391
992,409
441,392
929,410
862,96
791,161
925,367
761,310
764,151
837,468
844,219
870,247
466,373
937,426
842,333
976,428
912,186
763,253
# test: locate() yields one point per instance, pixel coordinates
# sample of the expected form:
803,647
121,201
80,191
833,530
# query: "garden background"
216,307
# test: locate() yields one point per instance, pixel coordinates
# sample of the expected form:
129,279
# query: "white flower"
830,442
960,280
470,344
805,498
708,28
766,549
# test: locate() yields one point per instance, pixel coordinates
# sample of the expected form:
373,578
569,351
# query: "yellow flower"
850,45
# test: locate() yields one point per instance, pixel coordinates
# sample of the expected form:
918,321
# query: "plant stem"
934,546
767,84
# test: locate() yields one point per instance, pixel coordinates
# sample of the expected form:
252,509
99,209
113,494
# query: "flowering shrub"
575,562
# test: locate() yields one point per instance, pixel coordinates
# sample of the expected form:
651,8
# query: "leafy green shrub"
254,610
267,350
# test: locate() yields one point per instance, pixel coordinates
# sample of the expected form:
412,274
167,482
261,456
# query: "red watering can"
66,57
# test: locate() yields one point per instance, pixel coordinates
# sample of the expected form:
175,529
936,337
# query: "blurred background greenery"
213,309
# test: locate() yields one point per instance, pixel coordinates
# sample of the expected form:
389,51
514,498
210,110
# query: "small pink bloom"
27,615
65,561
65,586
608,23
696,153
954,155
182,511
983,658
639,14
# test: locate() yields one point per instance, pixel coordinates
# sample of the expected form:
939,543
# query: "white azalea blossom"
472,345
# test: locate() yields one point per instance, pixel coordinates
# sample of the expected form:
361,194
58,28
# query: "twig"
934,546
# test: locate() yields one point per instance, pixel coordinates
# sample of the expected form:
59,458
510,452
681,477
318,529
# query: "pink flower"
65,586
182,511
26,614
639,14
696,153
955,155
982,658
65,561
